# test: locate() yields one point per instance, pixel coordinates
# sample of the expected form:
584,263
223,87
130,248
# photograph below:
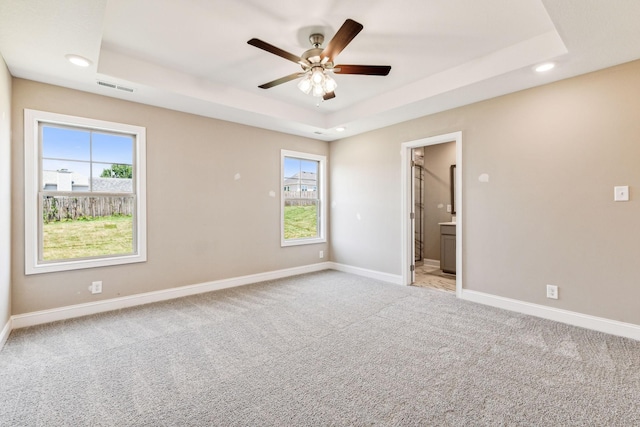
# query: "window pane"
309,166
110,148
82,227
69,144
112,178
301,198
291,167
300,178
300,219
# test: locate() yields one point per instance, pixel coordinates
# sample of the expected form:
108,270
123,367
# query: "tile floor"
428,276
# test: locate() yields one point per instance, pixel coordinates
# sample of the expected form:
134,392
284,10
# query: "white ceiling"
193,56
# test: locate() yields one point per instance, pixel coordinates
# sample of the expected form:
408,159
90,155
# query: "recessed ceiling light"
78,60
545,67
341,129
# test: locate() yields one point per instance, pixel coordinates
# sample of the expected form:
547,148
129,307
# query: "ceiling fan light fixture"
305,84
329,84
317,76
318,91
317,82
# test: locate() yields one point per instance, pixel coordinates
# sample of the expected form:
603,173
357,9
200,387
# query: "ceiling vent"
115,86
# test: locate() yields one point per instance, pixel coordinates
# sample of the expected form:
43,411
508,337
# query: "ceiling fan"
317,62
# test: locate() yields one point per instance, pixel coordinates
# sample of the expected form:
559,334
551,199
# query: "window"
84,193
303,198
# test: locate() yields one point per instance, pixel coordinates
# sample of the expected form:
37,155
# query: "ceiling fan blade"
343,37
369,70
329,95
275,50
281,80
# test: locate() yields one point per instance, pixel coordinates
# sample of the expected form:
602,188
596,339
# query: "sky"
293,165
81,151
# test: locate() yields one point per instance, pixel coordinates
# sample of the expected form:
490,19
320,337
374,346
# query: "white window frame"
32,214
322,197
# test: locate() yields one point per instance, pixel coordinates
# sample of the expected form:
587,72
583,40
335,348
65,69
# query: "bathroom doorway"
433,205
431,198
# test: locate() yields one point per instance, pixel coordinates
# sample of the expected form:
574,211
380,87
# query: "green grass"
300,222
111,235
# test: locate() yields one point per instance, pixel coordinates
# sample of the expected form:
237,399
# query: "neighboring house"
112,185
66,180
301,181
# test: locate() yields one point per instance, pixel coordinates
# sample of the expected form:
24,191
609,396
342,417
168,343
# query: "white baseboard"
577,319
432,262
372,274
4,334
78,310
613,327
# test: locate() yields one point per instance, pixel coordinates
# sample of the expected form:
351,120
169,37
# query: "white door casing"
407,257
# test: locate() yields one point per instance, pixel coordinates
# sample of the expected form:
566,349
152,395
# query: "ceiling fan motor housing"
313,57
316,40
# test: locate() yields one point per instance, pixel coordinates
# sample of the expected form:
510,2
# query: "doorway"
412,225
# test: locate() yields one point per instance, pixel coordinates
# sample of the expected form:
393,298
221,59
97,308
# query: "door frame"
406,208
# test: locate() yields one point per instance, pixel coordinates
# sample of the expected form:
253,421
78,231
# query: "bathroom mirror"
452,184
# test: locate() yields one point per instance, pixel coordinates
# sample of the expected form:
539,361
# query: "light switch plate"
621,193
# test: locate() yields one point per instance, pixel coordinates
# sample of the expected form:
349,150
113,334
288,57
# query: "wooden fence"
300,198
57,208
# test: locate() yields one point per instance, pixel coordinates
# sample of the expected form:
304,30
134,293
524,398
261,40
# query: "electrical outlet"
552,291
321,254
96,287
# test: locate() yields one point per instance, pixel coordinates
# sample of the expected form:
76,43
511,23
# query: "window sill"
53,267
298,242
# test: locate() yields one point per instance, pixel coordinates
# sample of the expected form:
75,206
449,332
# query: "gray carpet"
327,348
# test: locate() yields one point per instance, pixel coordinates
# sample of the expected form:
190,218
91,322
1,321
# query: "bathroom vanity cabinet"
448,247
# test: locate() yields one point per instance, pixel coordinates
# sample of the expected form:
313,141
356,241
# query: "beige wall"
438,159
547,215
365,201
5,194
202,224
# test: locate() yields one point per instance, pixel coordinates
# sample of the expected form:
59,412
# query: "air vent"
111,85
318,133
115,86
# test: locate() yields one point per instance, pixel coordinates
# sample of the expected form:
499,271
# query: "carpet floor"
326,348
